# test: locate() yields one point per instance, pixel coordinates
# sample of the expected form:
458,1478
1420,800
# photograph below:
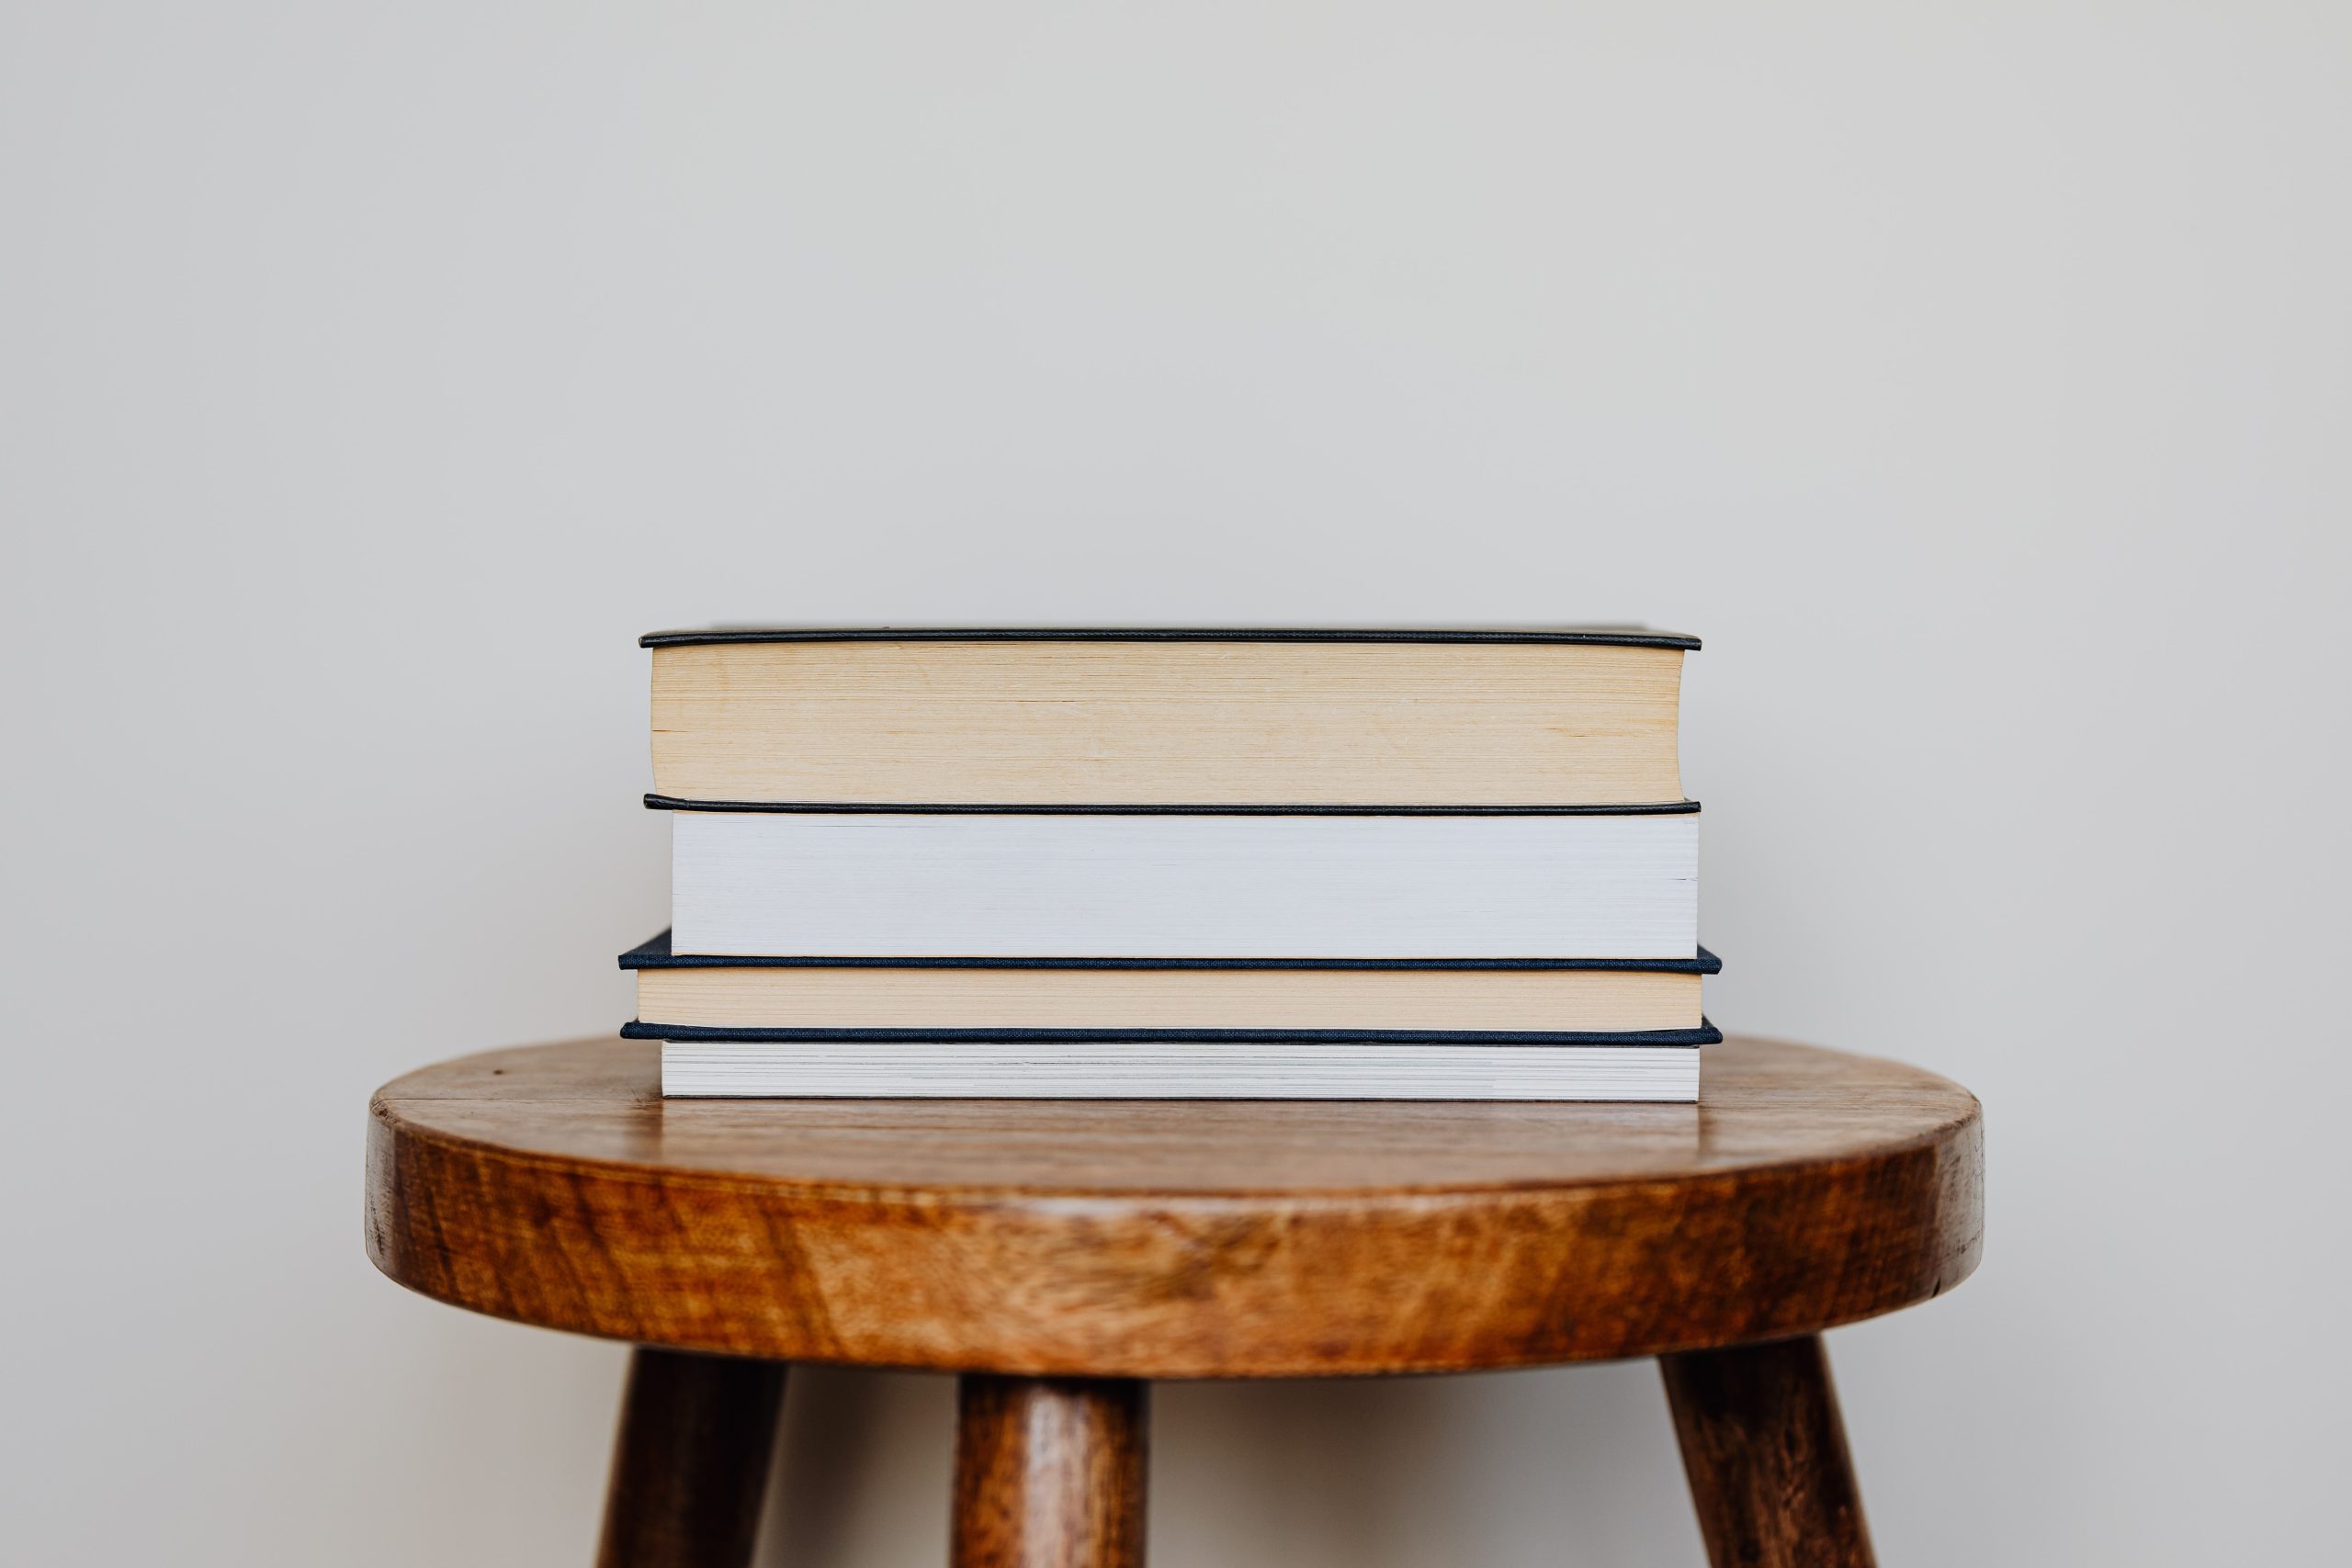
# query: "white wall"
1975,377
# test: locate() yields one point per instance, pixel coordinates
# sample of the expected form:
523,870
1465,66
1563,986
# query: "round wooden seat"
1137,1239
1059,1253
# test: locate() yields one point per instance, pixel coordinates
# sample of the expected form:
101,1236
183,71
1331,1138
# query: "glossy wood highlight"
1765,1450
691,1460
1049,1472
552,1185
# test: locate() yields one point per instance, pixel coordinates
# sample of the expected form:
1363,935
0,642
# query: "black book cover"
1607,636
1706,1034
655,954
870,808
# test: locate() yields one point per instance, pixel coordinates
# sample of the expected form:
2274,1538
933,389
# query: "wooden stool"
1061,1253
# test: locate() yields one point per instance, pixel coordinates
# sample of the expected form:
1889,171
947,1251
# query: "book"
693,995
1195,1069
1501,882
1070,717
1366,863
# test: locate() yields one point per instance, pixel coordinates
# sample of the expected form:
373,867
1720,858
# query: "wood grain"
691,1460
552,1185
1765,1449
1049,1472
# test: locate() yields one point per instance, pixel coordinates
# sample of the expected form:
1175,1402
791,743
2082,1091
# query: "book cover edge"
1706,1034
1606,637
654,952
654,802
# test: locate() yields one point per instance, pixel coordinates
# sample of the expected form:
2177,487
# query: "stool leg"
1049,1472
1765,1450
691,1460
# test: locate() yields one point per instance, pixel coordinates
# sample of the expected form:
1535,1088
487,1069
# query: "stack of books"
1339,864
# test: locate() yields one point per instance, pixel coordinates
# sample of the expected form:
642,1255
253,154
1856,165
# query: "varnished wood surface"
1765,1449
1049,1472
691,1460
552,1185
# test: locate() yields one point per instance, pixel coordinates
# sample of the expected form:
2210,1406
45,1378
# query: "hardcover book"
1043,716
1168,885
1540,1000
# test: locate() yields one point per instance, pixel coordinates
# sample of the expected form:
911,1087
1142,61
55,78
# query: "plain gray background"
1975,379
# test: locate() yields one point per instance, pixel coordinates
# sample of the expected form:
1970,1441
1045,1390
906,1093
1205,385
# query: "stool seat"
554,1185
